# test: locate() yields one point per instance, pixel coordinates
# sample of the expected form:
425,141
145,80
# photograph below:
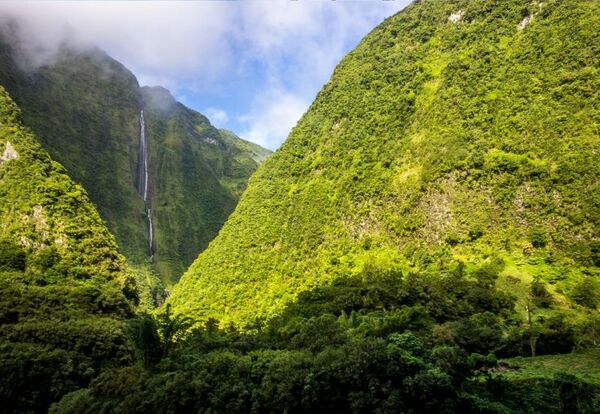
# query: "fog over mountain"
273,56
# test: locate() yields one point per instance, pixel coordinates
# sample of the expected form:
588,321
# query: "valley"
162,170
425,240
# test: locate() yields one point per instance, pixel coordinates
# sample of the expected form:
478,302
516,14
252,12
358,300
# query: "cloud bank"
255,66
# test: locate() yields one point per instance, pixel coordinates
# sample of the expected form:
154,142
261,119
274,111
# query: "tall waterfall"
142,180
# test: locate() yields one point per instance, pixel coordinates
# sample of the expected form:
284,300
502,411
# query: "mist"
232,58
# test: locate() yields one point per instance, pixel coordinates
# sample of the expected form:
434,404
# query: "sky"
250,66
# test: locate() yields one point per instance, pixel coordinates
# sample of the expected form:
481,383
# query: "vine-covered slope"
459,131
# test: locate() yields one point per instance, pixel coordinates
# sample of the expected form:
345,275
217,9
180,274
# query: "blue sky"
252,67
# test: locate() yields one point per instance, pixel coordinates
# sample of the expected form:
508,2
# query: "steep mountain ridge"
85,108
65,290
456,132
211,172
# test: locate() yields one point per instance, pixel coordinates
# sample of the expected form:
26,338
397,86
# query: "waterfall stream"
142,181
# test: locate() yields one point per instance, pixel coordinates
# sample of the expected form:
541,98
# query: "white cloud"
218,117
154,37
275,113
283,49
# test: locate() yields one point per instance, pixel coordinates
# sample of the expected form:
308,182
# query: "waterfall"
151,232
142,180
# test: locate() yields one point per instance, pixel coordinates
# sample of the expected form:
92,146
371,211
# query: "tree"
539,294
171,327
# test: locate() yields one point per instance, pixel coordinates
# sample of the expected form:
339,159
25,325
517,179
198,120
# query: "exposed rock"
526,20
10,153
456,16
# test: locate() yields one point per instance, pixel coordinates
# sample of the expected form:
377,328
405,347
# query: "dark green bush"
586,293
12,256
540,295
538,237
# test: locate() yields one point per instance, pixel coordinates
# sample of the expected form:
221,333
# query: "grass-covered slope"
85,108
64,288
456,131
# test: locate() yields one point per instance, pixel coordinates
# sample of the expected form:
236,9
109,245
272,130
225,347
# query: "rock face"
450,134
85,108
9,153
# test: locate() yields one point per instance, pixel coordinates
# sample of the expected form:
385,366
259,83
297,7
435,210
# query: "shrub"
12,256
540,295
538,237
585,293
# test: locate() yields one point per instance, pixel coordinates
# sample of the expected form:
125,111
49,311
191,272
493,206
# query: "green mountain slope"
463,131
85,110
196,176
85,107
64,287
235,171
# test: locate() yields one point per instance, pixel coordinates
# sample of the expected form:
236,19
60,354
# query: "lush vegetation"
582,365
454,131
64,288
197,174
376,343
85,108
428,227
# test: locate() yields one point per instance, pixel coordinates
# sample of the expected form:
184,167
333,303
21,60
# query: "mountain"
65,291
429,224
197,174
458,133
86,109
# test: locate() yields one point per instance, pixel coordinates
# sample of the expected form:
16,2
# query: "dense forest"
375,343
454,132
65,290
425,241
85,109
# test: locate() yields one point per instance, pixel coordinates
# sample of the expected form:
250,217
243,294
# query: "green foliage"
147,340
64,287
372,261
85,109
586,293
433,141
197,174
584,365
45,213
540,295
556,335
169,327
340,349
12,256
537,236
587,332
